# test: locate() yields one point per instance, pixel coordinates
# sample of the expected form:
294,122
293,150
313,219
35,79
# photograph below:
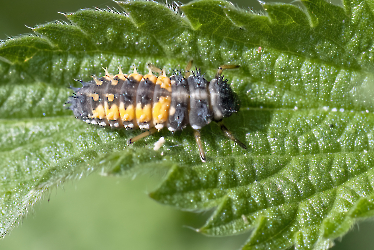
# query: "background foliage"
96,217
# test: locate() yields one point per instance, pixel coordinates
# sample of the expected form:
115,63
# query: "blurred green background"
111,213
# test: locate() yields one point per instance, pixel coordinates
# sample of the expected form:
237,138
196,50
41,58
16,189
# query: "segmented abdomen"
136,101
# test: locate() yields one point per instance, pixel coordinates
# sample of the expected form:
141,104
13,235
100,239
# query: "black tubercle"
198,79
178,77
229,99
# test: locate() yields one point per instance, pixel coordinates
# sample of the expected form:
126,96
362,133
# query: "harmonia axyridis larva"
149,102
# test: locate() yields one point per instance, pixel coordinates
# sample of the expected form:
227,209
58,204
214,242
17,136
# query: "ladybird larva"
151,102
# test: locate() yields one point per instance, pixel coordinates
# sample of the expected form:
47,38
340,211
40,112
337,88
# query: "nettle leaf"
307,101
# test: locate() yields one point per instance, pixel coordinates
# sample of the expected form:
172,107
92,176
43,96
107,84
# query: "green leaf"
306,91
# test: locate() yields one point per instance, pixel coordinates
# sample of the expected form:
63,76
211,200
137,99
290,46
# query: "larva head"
80,101
223,99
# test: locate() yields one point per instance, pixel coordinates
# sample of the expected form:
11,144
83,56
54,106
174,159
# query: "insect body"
150,103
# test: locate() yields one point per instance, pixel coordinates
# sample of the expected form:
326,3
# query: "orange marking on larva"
95,97
160,109
143,114
136,76
163,99
112,113
114,82
165,82
152,78
110,97
99,112
126,114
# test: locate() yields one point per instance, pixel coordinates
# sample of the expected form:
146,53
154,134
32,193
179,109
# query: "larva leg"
153,68
187,70
229,135
142,135
222,67
199,144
